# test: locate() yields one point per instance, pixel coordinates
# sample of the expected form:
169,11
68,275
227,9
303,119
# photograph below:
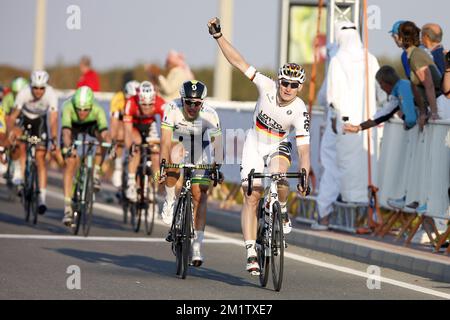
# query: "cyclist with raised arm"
81,114
31,106
188,126
116,112
278,109
140,127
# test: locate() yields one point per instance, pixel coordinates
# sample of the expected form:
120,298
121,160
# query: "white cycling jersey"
272,124
34,108
194,135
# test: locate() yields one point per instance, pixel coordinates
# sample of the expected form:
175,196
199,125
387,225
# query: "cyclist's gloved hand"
133,150
303,186
67,152
214,28
12,137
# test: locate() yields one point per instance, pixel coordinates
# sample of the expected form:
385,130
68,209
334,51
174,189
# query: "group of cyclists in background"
189,132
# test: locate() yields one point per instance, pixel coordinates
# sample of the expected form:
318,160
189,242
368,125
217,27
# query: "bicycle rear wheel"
277,246
150,207
261,245
89,197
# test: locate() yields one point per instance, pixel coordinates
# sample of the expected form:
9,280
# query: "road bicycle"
30,192
147,187
270,240
182,229
83,189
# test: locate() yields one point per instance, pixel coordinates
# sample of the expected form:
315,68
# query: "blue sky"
124,33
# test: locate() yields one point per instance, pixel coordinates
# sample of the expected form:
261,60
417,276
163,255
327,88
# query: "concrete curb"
382,255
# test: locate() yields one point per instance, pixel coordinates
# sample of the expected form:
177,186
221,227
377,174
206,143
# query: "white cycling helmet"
39,78
292,72
146,92
131,88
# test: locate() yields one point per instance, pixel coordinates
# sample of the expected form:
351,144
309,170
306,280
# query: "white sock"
43,195
17,165
132,178
198,239
250,245
170,193
118,164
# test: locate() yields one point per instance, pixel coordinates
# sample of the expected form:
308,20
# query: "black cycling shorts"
35,127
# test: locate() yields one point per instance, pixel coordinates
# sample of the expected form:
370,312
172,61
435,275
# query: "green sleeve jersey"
70,117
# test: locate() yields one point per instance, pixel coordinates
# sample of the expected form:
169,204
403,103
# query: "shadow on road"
149,264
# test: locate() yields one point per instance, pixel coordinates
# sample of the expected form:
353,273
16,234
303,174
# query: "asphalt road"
116,263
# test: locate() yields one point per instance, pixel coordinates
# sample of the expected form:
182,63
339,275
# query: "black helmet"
193,89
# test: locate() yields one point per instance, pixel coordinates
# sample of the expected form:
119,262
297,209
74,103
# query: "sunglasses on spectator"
38,88
191,103
294,85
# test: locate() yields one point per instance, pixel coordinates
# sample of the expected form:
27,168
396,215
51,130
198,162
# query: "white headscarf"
349,41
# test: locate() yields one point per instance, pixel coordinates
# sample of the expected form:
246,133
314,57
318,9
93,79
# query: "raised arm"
230,53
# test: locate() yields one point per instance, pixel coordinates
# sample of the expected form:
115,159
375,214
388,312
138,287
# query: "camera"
447,59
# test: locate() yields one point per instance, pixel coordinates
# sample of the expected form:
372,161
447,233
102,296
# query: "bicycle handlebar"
215,167
30,139
274,176
92,143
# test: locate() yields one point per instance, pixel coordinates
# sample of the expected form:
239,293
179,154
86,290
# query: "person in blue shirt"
404,57
401,101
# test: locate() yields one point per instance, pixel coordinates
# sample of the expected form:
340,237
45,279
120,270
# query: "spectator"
404,56
424,73
345,92
178,73
431,39
88,76
443,101
401,101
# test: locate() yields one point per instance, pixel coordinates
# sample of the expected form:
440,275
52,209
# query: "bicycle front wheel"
77,202
34,193
187,234
261,245
150,207
177,233
277,246
88,203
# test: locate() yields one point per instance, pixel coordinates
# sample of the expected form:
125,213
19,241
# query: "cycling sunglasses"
38,88
193,103
294,85
83,109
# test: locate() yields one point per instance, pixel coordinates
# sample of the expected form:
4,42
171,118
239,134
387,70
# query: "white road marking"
81,238
296,257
